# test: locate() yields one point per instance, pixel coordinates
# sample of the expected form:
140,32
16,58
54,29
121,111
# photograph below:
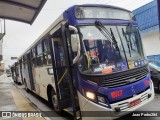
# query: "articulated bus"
90,59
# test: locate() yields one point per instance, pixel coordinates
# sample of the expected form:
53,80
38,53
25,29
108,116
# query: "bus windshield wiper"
114,39
107,34
128,41
100,28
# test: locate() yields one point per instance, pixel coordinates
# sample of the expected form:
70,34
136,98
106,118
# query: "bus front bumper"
95,111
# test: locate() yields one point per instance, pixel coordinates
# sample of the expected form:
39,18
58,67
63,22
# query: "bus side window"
47,53
59,52
39,55
24,61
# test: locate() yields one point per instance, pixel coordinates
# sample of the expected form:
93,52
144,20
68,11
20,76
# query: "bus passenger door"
63,72
30,70
60,70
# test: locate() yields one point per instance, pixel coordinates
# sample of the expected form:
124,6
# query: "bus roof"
64,17
100,5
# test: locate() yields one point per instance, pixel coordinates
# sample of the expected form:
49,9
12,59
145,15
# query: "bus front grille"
125,78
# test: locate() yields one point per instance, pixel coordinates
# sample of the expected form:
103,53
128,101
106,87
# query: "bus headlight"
96,98
90,95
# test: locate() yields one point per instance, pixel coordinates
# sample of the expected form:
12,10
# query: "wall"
151,43
148,22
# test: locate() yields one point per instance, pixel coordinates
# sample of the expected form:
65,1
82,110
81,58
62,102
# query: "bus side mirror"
75,43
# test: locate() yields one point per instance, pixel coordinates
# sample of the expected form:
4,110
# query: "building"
148,22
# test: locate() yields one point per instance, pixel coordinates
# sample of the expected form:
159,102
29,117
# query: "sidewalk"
11,99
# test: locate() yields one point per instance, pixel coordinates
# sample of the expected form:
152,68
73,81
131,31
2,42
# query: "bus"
15,71
8,73
90,59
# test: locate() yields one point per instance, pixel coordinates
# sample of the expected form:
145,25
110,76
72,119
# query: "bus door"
30,70
62,71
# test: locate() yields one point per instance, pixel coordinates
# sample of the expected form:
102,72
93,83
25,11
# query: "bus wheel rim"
55,102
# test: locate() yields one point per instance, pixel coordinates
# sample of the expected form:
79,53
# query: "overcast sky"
19,36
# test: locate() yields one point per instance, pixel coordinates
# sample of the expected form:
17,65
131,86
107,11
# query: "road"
13,97
14,94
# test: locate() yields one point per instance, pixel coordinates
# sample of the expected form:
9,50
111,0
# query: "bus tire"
54,102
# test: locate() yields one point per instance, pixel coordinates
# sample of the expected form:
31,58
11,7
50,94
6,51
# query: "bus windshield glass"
116,49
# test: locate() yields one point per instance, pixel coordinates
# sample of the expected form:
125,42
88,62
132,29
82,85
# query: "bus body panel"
127,90
13,73
19,77
87,105
42,80
25,75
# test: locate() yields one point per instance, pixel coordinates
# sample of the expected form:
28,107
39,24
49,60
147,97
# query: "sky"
19,36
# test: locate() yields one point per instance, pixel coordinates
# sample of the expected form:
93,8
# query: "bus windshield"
116,49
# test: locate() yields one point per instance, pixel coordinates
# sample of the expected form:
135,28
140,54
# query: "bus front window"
104,53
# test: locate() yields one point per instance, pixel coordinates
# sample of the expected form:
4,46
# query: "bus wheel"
54,101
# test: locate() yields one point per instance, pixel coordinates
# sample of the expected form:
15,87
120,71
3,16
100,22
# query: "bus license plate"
135,102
